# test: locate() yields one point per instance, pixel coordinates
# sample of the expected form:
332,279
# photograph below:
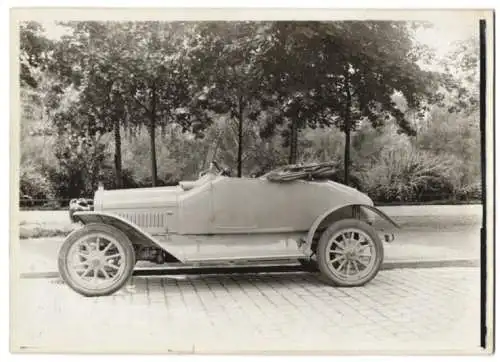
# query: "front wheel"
96,260
350,253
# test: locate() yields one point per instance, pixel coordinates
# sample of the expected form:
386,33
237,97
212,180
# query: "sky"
444,33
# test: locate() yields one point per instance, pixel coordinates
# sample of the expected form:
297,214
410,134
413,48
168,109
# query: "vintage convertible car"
295,213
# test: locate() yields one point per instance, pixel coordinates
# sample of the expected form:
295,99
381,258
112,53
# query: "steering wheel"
219,170
223,171
216,165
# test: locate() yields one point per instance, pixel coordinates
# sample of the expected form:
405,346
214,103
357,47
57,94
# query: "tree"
452,123
158,78
129,74
83,61
289,67
353,69
225,58
460,77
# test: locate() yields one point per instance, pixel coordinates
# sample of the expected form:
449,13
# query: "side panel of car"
227,247
155,221
153,210
244,205
195,210
196,248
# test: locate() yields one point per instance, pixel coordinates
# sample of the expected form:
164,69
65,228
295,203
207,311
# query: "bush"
469,192
455,135
407,175
81,158
34,185
354,179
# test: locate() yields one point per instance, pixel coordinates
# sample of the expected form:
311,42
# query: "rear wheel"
350,253
96,260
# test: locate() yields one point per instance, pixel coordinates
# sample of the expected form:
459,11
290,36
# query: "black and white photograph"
214,181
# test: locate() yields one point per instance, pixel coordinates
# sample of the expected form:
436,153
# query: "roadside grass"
36,231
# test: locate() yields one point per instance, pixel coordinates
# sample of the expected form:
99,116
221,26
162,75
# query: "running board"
232,258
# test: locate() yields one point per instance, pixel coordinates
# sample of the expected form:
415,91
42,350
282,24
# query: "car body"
218,219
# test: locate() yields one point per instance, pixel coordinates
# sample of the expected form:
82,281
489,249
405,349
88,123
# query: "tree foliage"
226,66
343,72
34,52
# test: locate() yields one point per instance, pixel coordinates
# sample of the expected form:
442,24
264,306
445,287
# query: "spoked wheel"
350,253
96,260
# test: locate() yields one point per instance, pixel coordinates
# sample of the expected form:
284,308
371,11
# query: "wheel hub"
350,253
96,263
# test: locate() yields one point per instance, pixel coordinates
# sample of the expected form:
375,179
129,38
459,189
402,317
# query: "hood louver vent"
146,219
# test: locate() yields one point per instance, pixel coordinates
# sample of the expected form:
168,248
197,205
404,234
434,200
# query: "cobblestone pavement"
400,310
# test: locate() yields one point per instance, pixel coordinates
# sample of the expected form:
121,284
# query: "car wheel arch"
340,212
133,232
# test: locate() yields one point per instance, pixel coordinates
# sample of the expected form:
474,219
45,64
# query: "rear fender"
382,214
339,213
133,232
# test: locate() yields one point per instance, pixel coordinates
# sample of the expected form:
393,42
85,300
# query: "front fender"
338,209
134,233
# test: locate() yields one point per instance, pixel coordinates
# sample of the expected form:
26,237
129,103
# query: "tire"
344,245
98,260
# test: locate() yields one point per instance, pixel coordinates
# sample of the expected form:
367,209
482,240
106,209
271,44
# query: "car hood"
150,197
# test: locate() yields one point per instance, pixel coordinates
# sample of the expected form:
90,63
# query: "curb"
283,268
429,263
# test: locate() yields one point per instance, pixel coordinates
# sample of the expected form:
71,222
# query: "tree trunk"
347,156
240,137
152,134
152,129
347,131
118,154
292,158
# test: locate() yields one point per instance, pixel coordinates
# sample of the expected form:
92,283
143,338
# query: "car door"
255,205
235,204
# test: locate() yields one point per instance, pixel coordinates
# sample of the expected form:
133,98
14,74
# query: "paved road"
400,310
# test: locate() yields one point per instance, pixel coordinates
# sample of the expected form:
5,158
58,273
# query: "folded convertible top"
312,171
